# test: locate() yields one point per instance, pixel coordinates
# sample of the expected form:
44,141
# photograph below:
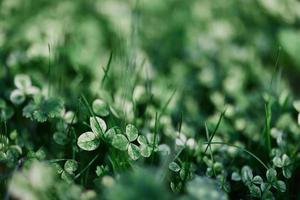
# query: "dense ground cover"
123,99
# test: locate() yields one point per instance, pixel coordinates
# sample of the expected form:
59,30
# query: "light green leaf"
131,132
68,177
100,108
142,140
109,135
257,180
271,175
277,161
70,166
145,150
173,166
88,141
70,117
280,185
22,81
296,105
120,142
287,172
98,125
247,175
60,138
255,191
133,151
17,97
235,176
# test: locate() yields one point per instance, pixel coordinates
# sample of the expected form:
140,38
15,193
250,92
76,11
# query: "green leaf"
287,172
277,161
133,151
68,177
173,166
145,150
183,174
120,142
101,170
142,140
235,176
60,138
70,166
255,191
296,105
109,135
88,141
280,185
22,81
98,125
257,180
100,108
58,168
17,97
247,175
41,109
286,160
70,117
131,132
271,175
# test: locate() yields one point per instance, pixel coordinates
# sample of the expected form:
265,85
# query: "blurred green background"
212,53
215,54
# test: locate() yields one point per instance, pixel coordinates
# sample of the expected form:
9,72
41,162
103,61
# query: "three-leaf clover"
251,182
90,140
68,172
23,88
272,180
124,143
284,163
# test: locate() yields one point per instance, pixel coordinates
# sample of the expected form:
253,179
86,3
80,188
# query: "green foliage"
42,109
93,93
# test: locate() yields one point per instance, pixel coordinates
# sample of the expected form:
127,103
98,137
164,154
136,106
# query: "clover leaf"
88,141
145,148
272,180
60,138
100,108
17,97
109,135
124,143
131,132
271,175
133,151
70,166
173,166
247,175
22,81
24,87
42,109
98,125
120,142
